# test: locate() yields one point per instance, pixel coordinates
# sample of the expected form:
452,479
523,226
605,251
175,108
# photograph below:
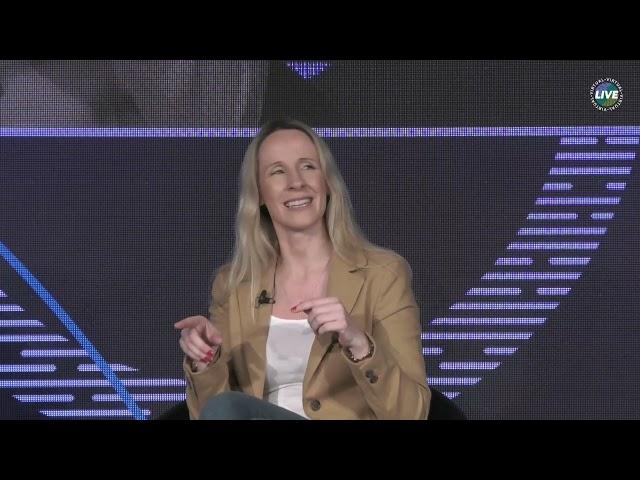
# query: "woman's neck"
302,257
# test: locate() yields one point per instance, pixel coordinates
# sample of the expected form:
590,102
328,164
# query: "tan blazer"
376,293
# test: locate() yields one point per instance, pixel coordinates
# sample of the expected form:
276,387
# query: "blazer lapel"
345,283
255,332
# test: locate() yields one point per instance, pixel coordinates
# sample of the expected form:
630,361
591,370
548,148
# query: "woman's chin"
301,225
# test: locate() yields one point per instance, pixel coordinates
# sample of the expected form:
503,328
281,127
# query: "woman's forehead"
288,144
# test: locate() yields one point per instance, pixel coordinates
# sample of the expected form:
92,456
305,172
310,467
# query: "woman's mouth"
299,203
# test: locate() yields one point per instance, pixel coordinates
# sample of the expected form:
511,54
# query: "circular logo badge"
606,94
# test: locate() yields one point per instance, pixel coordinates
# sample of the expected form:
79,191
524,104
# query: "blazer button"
369,374
373,379
315,405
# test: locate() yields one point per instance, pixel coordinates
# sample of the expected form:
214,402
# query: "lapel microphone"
263,299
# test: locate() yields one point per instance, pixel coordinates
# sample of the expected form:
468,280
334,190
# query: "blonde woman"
309,320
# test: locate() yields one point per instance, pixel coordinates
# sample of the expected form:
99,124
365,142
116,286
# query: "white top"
288,348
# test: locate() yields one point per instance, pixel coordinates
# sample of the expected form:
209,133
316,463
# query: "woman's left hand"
329,315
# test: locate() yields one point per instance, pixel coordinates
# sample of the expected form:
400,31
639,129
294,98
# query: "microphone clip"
263,299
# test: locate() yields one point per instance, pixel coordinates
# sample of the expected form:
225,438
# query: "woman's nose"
295,180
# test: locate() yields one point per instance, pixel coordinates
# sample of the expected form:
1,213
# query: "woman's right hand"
199,339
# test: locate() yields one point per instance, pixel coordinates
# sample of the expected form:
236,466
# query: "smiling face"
290,180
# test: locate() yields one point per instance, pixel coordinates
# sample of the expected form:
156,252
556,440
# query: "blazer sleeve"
215,378
393,380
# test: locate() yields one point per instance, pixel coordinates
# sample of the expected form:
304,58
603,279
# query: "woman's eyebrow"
299,160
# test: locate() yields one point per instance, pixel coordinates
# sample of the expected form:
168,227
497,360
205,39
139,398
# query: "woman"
309,319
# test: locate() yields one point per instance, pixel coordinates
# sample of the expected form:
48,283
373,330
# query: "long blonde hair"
256,243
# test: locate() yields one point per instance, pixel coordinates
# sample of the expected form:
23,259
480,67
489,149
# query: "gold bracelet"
369,354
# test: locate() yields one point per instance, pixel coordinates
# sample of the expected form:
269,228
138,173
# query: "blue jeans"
240,406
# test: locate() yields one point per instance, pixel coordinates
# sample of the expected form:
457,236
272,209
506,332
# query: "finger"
195,340
334,326
333,308
191,352
316,302
189,322
320,320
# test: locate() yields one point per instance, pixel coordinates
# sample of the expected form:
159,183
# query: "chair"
179,411
442,408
